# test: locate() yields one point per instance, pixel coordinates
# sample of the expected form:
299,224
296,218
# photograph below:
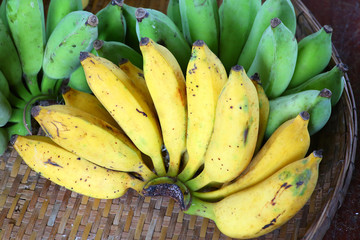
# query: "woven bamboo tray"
32,207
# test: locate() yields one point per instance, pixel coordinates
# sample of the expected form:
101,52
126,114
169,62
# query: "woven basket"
32,207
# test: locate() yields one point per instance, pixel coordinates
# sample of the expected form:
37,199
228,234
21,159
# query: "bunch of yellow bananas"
199,141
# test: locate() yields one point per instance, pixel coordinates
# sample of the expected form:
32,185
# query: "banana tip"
256,77
275,22
119,3
83,56
144,41
35,111
123,61
97,44
65,89
13,139
318,153
92,21
325,93
140,14
328,29
305,115
237,68
199,43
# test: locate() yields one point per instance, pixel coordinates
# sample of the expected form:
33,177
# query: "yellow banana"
264,110
91,138
136,75
265,206
235,132
87,103
166,84
287,144
205,78
71,171
126,105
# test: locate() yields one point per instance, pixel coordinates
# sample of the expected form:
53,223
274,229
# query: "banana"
4,86
10,63
200,21
77,80
173,12
115,51
205,78
57,10
332,80
131,38
234,137
317,103
71,171
265,206
126,105
5,110
112,24
136,75
282,9
275,58
236,19
48,85
88,103
26,21
161,29
84,134
314,55
4,140
287,144
168,91
75,33
3,14
264,109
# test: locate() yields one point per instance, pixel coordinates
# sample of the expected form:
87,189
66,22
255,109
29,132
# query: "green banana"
74,34
57,10
4,140
282,9
48,85
314,54
200,21
3,14
173,12
5,110
275,58
27,25
236,19
78,81
10,63
283,108
333,80
4,86
131,38
162,30
112,23
115,51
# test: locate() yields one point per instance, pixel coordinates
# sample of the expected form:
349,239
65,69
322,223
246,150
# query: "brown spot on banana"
143,113
281,190
52,163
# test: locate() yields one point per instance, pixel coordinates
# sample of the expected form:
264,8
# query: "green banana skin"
57,10
115,51
236,19
4,86
200,21
275,58
332,80
3,14
112,23
316,103
27,25
10,63
173,12
4,140
48,85
314,54
5,110
131,38
74,34
282,9
161,29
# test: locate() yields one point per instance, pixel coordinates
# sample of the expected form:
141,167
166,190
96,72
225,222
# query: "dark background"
344,17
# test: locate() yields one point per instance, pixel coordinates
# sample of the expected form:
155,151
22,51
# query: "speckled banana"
282,9
84,134
173,12
317,103
287,144
57,10
126,105
314,55
161,29
205,78
168,90
265,206
112,23
234,137
275,58
236,19
115,51
87,103
200,21
26,21
71,171
332,80
75,33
